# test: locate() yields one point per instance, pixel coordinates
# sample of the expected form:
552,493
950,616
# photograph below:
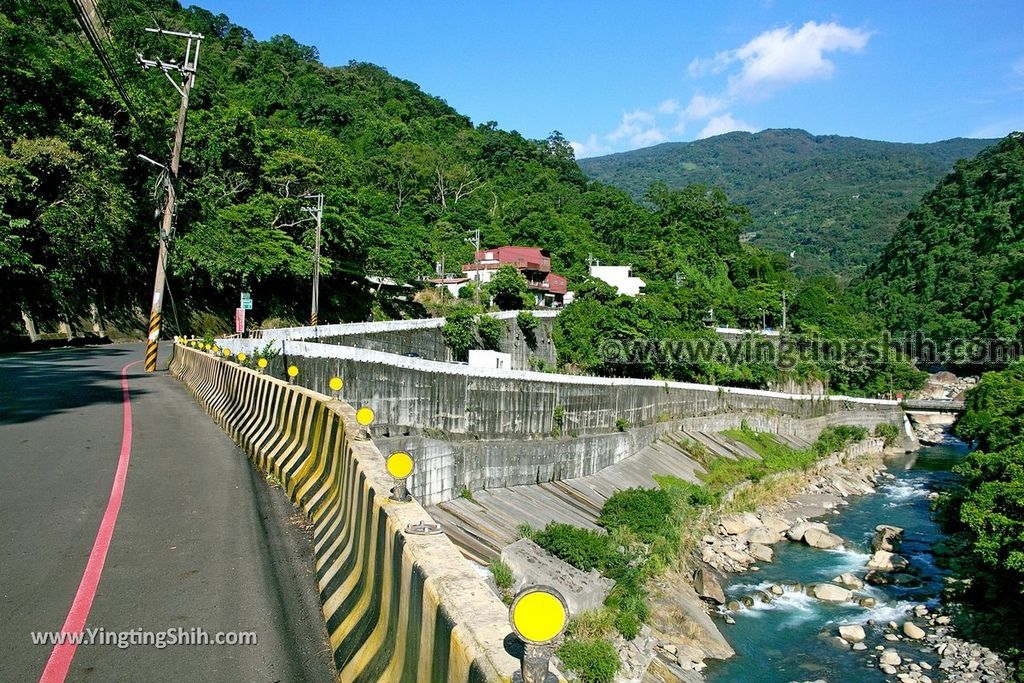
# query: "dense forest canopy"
955,268
835,201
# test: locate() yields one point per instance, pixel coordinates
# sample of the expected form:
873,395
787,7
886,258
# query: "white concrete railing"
316,350
310,332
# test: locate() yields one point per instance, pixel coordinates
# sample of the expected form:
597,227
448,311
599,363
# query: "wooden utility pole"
188,76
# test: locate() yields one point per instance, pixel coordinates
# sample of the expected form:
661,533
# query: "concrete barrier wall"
398,607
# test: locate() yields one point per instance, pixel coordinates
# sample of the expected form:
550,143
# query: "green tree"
509,290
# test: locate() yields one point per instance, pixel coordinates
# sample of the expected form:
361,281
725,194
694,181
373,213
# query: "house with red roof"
534,263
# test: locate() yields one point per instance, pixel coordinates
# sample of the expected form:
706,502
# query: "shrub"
527,323
582,548
622,424
593,660
490,331
591,624
645,512
458,332
887,431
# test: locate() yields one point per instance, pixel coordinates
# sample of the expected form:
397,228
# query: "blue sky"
618,76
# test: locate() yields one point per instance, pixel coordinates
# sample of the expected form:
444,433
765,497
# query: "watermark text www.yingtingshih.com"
171,637
789,352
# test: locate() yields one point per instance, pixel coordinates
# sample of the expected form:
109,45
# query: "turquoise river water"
781,641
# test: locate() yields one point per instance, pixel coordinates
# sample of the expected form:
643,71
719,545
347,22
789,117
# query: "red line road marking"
60,659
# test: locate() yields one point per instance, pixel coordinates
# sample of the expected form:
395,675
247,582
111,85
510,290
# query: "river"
781,642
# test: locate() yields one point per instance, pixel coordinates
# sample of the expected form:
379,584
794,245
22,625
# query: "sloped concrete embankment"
398,606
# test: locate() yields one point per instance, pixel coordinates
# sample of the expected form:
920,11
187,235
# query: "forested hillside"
407,180
955,268
833,200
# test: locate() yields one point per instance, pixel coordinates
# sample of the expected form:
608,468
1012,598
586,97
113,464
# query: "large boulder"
853,633
912,630
828,592
776,523
848,580
816,538
762,535
707,587
761,553
737,525
532,565
887,537
797,531
884,561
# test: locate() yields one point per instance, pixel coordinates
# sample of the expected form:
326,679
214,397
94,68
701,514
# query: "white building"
619,277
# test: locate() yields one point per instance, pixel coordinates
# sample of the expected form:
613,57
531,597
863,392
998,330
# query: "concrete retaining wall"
397,606
423,338
474,428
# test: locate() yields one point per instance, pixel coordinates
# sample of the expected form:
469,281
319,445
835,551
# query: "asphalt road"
200,541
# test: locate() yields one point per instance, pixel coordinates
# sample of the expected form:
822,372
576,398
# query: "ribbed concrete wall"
398,607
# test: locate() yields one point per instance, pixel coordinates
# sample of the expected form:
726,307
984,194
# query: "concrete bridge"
933,406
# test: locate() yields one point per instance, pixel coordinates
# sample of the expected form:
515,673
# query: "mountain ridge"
835,200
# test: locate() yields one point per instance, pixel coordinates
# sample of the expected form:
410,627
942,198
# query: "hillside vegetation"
955,267
833,200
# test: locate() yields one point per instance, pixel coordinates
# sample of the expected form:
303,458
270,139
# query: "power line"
85,20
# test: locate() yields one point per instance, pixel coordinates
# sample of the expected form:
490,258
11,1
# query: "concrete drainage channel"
400,602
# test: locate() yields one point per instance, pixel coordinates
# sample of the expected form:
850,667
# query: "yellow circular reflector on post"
538,614
262,362
335,384
364,416
400,464
242,357
293,371
227,352
216,349
208,347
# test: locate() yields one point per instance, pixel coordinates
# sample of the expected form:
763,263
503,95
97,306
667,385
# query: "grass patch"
593,660
503,579
592,624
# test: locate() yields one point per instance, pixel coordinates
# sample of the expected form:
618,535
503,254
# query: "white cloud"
638,128
669,106
782,57
724,123
703,106
591,148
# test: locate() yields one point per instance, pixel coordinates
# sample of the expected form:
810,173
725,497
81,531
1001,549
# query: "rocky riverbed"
843,597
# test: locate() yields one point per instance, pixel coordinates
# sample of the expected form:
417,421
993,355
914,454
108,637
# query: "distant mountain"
835,201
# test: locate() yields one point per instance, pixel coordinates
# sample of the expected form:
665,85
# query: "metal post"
316,262
188,72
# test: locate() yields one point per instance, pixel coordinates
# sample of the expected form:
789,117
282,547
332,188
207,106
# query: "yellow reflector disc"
292,371
227,352
336,384
262,362
242,356
399,464
364,416
216,349
208,347
538,616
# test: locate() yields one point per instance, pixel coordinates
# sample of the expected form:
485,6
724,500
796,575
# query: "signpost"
240,320
246,302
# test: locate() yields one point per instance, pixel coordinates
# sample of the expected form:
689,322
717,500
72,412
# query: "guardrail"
398,606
